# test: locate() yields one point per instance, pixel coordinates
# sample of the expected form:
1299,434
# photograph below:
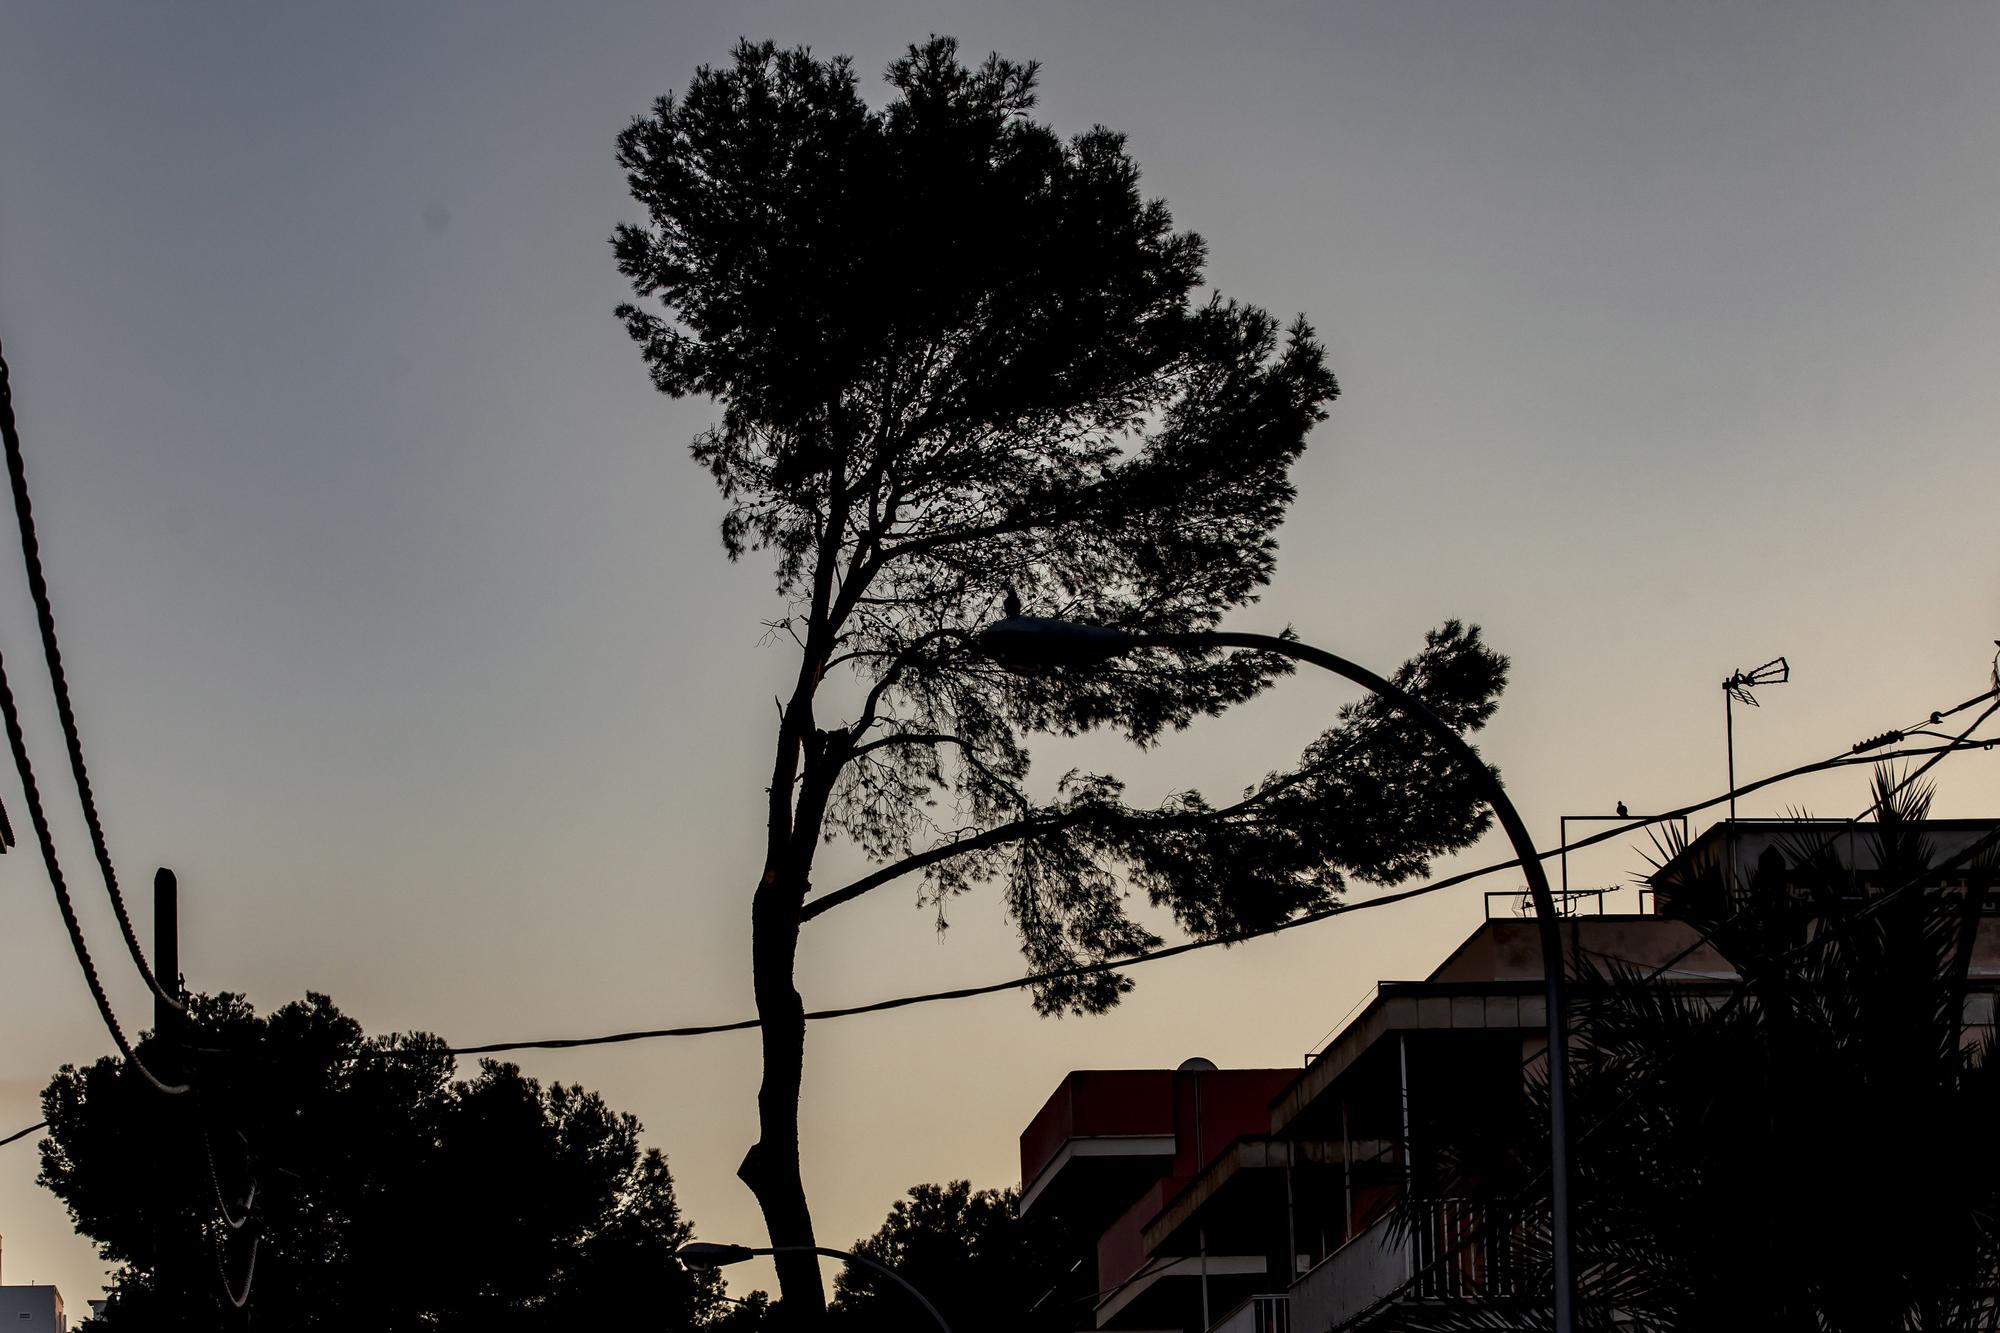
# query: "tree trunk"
771,1167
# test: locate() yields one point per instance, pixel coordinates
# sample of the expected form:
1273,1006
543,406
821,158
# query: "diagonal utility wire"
38,586
1964,742
20,1134
1737,991
231,1221
32,793
1843,759
1960,742
249,1273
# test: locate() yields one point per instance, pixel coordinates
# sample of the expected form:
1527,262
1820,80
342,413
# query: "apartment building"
30,1308
1258,1200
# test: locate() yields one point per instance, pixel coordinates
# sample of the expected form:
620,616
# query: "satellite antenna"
1736,690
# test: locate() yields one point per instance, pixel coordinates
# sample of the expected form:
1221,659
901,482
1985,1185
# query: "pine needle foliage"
375,1188
961,364
958,355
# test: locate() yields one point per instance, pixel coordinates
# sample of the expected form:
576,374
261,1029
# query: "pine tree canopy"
960,359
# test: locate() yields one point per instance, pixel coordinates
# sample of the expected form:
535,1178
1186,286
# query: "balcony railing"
1504,903
1453,1256
1270,1313
1458,1256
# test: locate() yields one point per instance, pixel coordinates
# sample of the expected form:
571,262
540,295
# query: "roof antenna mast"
1736,689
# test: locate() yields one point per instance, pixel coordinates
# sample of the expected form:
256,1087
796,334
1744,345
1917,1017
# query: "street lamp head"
1028,643
702,1254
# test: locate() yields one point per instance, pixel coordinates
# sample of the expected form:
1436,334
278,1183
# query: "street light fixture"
1030,642
705,1254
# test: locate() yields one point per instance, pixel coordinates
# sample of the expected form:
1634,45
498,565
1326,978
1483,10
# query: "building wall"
31,1310
1419,1057
1511,950
1350,1280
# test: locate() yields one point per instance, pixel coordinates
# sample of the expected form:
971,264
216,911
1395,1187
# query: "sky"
398,625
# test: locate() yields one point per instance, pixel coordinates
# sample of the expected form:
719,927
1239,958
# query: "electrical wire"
31,793
1932,755
1961,742
231,1220
1382,900
38,586
1739,986
1527,1197
20,1134
249,1274
1844,759
233,1224
1738,989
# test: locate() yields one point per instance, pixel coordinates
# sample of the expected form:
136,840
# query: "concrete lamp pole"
1031,642
701,1254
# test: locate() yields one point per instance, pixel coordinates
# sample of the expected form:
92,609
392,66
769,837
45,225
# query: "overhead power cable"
1844,759
38,587
31,793
1739,987
1935,752
1963,741
238,1299
232,1219
1526,1198
20,1134
1737,990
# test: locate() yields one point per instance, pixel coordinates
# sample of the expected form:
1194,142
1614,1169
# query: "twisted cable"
31,793
38,586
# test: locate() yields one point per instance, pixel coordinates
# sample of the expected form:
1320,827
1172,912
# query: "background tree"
387,1195
962,367
1815,1153
971,1253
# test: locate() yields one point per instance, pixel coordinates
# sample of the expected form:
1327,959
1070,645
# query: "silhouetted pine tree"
378,1191
961,360
986,1268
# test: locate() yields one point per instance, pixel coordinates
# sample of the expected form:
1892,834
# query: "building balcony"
1101,1137
1150,1288
1362,1272
1452,1256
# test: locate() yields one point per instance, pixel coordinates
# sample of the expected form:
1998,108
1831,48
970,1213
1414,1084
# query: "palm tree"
1810,1147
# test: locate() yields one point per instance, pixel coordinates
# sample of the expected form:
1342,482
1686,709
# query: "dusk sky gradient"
398,624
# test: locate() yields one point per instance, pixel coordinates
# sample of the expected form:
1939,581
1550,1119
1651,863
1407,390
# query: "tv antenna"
1737,690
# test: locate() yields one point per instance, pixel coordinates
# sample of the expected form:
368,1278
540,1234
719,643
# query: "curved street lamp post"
1030,642
703,1254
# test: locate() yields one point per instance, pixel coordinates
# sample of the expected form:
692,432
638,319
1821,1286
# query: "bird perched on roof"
1012,606
1622,811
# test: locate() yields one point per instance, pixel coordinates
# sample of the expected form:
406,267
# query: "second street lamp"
706,1254
1030,642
